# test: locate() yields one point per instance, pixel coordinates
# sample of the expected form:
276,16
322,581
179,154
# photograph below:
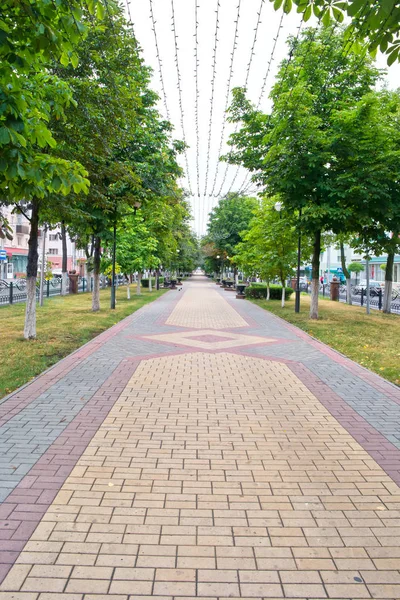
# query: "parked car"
374,287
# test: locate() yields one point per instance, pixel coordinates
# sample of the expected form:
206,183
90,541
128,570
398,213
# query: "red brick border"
23,509
20,398
378,447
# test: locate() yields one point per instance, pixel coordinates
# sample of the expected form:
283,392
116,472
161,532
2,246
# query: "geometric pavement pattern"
224,468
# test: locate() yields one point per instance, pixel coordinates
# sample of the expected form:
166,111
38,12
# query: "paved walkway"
201,448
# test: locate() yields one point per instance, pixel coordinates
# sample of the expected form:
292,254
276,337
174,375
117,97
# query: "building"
15,252
331,261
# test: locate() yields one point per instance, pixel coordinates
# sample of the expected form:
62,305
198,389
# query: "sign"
3,255
339,270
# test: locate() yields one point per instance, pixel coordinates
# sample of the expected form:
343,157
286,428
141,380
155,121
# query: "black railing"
14,292
360,299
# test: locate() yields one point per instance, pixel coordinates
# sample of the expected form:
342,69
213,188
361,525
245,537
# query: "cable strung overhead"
160,70
227,95
196,75
178,72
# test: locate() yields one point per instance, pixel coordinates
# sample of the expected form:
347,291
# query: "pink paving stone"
209,338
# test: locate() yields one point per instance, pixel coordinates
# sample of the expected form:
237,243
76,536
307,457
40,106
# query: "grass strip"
370,340
63,325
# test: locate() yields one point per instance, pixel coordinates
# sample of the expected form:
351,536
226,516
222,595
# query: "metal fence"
14,292
375,301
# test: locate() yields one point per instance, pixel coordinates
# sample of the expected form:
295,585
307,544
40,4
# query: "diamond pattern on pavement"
210,340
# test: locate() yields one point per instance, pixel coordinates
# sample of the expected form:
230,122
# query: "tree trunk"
283,295
96,275
150,284
315,275
387,297
128,292
31,274
139,279
348,290
236,276
64,266
268,291
346,273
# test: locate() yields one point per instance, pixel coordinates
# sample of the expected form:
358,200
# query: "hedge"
145,282
260,290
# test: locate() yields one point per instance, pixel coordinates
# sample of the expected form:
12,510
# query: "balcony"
22,229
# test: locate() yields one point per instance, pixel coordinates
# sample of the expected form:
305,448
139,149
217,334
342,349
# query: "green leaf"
100,11
74,60
326,17
355,7
338,14
307,13
277,4
393,56
4,135
287,7
64,59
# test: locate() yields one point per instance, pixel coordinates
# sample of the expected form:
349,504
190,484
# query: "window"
53,250
53,237
19,240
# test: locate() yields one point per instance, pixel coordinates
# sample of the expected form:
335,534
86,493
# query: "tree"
116,130
367,175
32,37
356,268
376,22
228,220
270,243
290,150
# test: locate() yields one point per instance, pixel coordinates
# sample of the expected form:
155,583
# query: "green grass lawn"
63,324
371,340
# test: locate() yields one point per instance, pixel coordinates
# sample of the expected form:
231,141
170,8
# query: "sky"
257,27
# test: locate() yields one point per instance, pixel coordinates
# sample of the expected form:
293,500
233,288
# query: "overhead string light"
196,76
272,57
214,72
180,96
252,52
160,69
227,97
244,185
207,199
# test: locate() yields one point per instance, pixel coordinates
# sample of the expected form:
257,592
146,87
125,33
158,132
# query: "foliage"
32,36
291,151
356,267
269,246
376,22
261,291
227,220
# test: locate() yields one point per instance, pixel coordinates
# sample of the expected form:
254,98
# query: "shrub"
259,290
145,282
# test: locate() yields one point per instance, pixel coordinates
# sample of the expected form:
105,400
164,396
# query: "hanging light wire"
227,95
179,78
160,68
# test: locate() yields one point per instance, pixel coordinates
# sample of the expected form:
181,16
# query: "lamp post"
177,264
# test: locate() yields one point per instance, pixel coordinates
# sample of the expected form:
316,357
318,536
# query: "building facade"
14,255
